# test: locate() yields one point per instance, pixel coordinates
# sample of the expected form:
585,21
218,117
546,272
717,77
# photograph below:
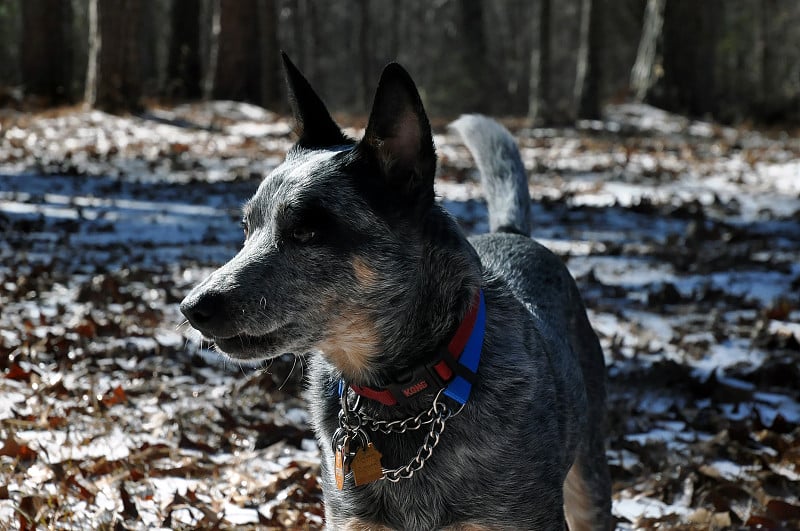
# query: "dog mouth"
252,347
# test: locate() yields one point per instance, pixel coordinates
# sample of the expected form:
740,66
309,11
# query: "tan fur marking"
468,527
350,342
365,276
355,524
577,502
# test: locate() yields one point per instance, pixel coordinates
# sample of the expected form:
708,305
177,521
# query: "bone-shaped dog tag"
367,465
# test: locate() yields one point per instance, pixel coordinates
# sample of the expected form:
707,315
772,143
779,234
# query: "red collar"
437,373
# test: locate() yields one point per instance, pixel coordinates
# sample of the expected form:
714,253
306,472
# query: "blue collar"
454,369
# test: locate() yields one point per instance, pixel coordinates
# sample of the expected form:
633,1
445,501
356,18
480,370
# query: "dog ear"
313,124
399,134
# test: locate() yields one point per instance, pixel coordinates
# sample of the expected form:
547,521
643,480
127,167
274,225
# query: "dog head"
338,243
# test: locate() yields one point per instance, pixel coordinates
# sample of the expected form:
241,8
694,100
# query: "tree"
589,98
184,70
271,76
113,82
643,73
690,57
475,64
46,51
93,36
539,86
237,74
365,59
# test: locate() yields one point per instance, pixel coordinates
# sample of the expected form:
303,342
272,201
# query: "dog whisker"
285,380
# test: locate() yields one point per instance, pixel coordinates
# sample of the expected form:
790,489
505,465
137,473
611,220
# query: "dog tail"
503,176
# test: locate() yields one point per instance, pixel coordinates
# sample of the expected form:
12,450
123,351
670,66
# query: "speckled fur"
382,252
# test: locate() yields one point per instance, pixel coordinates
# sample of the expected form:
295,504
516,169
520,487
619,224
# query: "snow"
643,507
160,194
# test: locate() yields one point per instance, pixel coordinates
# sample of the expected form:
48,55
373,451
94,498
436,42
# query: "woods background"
553,61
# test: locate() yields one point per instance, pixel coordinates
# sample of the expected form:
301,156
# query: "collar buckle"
415,381
454,368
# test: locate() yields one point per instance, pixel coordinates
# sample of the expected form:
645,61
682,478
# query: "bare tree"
364,56
582,58
238,69
690,57
184,70
474,58
209,44
93,31
539,86
643,73
113,82
46,49
271,77
588,99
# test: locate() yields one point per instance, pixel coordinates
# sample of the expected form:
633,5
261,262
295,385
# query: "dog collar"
454,368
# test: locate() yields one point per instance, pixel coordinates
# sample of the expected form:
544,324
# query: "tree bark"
690,41
46,50
582,58
184,70
474,59
93,31
590,101
269,52
118,83
238,66
643,75
209,44
364,50
539,86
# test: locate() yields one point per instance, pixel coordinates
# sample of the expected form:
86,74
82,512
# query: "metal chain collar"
437,415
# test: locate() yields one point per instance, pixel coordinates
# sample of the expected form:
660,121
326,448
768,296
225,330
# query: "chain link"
425,451
352,421
410,424
435,416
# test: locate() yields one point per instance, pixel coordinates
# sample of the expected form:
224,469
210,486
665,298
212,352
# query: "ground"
684,238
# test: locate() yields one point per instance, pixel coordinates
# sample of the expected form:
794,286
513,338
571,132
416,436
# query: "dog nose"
205,312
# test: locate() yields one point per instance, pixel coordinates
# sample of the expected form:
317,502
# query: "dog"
455,383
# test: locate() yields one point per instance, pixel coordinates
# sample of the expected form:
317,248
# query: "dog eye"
303,235
245,228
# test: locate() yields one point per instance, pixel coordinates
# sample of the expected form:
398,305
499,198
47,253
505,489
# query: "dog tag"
367,465
338,468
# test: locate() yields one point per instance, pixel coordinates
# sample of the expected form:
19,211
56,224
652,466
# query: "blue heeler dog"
455,383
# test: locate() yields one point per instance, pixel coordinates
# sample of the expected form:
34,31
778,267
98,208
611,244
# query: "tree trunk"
269,52
209,44
365,85
153,37
238,75
589,103
184,71
46,50
769,103
582,58
93,32
312,39
475,65
10,37
298,18
643,73
539,86
690,41
118,83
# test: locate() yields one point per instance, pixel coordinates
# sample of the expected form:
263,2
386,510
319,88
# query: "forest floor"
684,238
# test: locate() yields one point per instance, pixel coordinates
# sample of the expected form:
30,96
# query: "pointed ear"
399,134
313,124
